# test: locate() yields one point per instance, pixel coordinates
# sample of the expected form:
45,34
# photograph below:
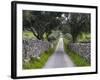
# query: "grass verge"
77,59
38,63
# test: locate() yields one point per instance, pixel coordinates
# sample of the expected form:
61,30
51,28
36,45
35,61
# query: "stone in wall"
83,49
34,48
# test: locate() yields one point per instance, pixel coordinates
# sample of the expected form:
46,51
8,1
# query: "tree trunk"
74,37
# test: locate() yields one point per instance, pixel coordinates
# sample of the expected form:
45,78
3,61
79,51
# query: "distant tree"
64,26
54,35
68,36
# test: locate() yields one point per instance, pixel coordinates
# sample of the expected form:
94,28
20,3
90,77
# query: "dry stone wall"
34,48
83,49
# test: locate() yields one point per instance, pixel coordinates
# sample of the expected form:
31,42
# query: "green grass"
28,35
84,37
77,59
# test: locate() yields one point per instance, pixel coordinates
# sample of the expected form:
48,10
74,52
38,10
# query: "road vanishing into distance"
59,59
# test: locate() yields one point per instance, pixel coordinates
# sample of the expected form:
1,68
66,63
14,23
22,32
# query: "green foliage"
28,35
65,28
84,37
77,59
68,36
54,36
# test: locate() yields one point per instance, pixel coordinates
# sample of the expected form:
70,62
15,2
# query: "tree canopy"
79,22
42,23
